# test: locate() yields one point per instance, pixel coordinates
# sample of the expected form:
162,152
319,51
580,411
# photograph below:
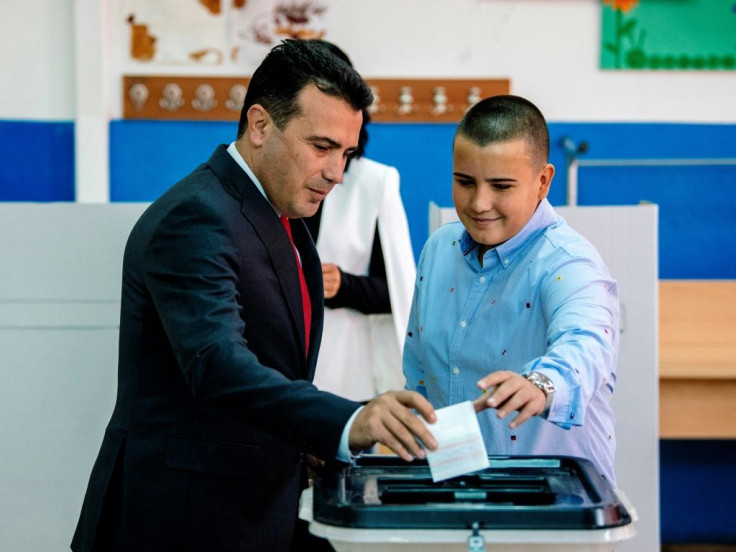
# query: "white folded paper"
460,446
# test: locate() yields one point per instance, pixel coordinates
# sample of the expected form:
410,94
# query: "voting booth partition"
60,279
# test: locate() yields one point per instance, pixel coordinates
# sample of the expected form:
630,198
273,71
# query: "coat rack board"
221,98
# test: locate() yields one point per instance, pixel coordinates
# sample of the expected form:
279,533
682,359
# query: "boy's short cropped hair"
505,118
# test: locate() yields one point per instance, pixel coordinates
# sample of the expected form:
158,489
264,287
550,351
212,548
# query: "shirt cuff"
343,452
563,410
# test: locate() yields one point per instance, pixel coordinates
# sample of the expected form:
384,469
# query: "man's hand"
331,277
388,420
508,392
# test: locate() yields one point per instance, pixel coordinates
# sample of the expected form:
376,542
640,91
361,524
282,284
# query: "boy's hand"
509,392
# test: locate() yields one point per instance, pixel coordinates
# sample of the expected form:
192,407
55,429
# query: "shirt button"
455,370
463,324
482,279
505,261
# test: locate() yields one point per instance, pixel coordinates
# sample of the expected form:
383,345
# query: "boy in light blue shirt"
512,308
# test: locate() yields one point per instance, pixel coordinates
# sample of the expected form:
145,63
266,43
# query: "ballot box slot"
520,490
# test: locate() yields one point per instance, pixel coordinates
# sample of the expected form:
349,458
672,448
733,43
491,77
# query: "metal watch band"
543,383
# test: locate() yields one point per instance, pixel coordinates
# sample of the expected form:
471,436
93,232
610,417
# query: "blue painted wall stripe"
148,157
36,161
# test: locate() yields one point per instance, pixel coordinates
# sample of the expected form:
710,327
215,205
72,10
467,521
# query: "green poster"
669,34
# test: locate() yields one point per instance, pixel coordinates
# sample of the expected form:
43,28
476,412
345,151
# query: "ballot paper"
460,446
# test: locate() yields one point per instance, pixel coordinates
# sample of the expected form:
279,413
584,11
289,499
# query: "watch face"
541,381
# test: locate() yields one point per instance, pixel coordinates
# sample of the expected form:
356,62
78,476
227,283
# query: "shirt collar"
543,216
235,154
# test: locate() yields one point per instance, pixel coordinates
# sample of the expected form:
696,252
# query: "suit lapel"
267,226
313,275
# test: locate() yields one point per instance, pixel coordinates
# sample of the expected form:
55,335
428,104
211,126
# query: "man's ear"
259,122
545,179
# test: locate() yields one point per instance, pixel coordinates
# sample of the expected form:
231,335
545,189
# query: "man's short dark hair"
291,66
363,138
505,118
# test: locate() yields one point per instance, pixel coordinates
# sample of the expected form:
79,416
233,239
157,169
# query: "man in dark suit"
220,329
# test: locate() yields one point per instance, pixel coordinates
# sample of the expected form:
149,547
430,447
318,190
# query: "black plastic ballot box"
540,503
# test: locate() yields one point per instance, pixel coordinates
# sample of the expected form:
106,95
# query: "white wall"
37,60
59,319
549,50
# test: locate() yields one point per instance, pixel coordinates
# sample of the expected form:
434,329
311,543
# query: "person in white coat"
362,236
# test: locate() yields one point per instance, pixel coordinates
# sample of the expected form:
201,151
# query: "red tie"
306,302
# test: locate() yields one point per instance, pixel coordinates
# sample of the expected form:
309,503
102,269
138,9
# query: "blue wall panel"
36,161
696,203
698,491
696,213
148,157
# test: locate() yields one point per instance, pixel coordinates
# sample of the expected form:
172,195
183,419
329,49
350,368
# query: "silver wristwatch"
543,383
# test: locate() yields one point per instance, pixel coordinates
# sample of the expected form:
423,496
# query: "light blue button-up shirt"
544,301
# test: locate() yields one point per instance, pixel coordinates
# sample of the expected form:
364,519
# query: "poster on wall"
235,34
173,32
261,24
668,35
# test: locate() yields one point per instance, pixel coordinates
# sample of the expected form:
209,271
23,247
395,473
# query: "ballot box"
382,503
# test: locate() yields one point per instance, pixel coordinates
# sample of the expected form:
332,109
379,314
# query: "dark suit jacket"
214,407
